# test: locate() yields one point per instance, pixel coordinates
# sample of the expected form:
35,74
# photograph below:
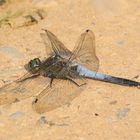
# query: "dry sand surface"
102,111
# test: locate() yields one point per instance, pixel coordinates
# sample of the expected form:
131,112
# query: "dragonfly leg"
26,78
51,82
75,82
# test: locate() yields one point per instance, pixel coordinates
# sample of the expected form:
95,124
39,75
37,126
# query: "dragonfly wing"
21,89
62,92
53,45
85,52
48,48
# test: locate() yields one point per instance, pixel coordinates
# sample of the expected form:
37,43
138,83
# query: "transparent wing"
62,92
85,53
22,89
53,45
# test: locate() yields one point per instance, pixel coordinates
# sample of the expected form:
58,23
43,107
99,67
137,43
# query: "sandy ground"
102,111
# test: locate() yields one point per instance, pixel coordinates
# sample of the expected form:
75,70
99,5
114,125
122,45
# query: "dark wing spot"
35,101
87,30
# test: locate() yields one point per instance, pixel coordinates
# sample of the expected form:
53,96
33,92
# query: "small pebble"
42,120
120,42
16,115
113,102
96,114
123,113
12,52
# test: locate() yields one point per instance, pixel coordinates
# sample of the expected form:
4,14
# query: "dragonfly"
61,77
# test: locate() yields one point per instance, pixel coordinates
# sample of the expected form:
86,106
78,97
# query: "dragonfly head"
33,66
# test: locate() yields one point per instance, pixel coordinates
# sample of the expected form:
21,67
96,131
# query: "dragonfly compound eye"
33,66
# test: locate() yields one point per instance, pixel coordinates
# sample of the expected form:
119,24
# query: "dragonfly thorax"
52,66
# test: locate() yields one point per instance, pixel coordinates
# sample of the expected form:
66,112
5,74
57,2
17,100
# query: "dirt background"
103,111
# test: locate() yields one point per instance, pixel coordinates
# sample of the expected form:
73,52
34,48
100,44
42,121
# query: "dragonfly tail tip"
139,85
